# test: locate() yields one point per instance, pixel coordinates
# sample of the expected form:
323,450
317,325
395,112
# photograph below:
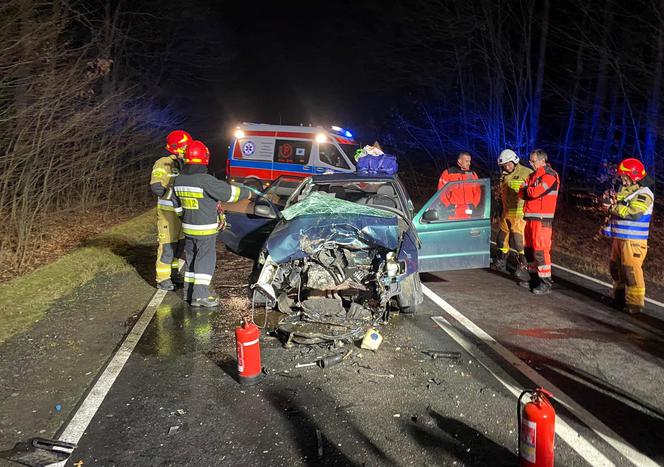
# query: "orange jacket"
462,193
540,193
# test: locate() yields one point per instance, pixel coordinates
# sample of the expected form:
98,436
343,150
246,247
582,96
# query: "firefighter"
628,228
198,193
540,194
512,224
169,229
461,198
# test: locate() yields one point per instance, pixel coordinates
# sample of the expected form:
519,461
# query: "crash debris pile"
332,272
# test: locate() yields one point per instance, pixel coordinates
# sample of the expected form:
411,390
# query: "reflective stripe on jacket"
163,175
510,184
631,216
197,193
540,193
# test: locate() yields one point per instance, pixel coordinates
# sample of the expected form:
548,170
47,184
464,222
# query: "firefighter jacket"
163,175
510,184
630,217
462,193
540,193
198,192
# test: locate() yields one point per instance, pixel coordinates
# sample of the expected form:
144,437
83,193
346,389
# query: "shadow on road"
315,446
434,431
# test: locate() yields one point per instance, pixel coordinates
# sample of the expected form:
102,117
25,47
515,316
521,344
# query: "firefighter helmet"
197,153
177,141
632,168
508,156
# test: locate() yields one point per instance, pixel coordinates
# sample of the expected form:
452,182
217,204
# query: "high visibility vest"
510,184
631,229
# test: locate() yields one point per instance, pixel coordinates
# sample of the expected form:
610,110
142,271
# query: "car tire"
411,294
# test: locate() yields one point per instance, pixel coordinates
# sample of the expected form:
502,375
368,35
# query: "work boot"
177,280
207,302
500,262
166,285
544,287
632,309
521,273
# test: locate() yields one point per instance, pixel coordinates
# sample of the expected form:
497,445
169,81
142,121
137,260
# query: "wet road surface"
176,402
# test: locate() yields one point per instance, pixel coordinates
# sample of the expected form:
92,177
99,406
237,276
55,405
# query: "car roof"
346,177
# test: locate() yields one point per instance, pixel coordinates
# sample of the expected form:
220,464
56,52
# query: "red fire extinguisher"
537,429
247,337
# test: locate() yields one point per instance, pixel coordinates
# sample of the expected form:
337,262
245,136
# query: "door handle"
475,233
320,169
306,168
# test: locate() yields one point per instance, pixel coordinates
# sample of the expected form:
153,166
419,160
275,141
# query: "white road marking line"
83,416
591,279
603,431
568,434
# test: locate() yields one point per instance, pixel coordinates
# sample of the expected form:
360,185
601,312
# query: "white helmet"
508,156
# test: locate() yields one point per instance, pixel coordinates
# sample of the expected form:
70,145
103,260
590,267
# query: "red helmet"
197,153
633,168
177,141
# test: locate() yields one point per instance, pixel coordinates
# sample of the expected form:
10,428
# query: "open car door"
454,227
249,223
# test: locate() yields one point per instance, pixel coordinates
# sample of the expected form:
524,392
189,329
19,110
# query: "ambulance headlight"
321,138
239,134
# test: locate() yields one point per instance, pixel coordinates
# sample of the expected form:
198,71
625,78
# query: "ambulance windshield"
349,150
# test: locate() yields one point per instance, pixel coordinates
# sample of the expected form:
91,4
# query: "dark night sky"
294,62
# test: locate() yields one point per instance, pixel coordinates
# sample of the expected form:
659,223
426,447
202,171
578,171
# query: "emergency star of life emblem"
248,148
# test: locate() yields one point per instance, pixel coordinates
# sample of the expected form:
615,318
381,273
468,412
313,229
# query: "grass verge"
26,299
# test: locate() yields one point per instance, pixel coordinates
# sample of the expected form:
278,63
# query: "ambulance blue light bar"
338,129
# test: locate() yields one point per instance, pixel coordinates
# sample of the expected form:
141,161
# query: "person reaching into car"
198,193
461,198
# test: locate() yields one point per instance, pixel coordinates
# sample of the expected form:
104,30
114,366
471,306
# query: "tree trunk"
537,97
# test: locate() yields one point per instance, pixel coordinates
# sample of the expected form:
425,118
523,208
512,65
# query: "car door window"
292,151
458,200
329,154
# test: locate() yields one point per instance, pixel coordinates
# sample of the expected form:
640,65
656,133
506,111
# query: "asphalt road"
176,402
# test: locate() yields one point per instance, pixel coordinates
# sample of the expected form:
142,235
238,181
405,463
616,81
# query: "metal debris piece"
173,429
180,412
442,354
302,365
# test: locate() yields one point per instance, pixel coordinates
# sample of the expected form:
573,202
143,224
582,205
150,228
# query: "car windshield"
281,189
378,194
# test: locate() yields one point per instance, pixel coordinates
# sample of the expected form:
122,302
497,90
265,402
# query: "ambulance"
261,152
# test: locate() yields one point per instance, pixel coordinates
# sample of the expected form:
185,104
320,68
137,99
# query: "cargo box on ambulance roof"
261,152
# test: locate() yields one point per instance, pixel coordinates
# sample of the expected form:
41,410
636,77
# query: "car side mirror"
265,210
430,215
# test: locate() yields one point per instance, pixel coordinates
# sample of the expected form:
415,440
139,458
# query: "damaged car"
343,251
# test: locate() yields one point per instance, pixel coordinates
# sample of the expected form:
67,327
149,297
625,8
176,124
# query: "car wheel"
411,294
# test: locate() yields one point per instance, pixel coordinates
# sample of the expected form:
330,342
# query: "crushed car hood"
320,219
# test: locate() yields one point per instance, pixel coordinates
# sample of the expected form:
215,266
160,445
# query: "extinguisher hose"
253,311
518,420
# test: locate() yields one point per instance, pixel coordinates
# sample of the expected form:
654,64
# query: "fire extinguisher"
248,347
537,429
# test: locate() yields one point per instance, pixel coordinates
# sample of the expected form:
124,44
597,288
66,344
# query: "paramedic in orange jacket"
461,197
540,194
